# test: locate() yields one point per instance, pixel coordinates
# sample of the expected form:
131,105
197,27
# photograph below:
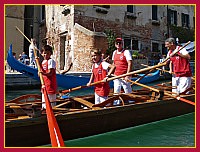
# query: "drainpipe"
37,11
72,32
168,21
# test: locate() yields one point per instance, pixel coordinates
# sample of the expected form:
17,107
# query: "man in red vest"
122,60
179,64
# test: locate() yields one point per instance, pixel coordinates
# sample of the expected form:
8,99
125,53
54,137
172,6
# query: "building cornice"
88,32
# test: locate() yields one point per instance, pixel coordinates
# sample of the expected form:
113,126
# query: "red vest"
50,81
181,66
102,89
120,63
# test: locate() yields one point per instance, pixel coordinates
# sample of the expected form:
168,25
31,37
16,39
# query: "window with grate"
130,44
155,47
172,17
154,12
185,20
130,8
104,6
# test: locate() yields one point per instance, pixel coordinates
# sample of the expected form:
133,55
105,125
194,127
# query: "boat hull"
34,131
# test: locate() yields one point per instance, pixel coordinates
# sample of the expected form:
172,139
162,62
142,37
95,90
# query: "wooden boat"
26,125
67,81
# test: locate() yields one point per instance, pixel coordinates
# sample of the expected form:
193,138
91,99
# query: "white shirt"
127,54
105,65
182,51
31,50
51,63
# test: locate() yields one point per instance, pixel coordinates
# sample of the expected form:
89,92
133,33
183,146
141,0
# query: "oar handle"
81,87
145,86
158,69
36,57
165,70
137,71
165,93
22,34
73,89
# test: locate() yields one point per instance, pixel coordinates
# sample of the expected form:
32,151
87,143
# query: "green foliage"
135,53
184,34
111,41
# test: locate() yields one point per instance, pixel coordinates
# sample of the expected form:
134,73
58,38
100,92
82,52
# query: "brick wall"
84,42
84,39
119,28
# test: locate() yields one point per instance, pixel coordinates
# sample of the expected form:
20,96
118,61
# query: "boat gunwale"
90,112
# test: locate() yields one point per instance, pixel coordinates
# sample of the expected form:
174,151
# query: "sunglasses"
118,43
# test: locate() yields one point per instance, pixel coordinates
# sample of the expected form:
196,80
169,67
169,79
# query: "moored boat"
67,81
80,117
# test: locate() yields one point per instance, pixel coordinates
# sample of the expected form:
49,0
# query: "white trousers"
32,61
99,99
182,84
52,99
118,83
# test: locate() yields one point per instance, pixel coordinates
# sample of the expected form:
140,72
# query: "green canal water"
174,132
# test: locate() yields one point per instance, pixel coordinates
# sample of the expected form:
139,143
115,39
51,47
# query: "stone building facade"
72,42
28,18
11,34
73,30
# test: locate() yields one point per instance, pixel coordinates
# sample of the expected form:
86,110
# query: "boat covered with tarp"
68,81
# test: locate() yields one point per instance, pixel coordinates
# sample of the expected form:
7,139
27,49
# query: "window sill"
155,22
101,10
131,15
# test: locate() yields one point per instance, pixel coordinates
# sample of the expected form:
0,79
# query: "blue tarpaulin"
190,47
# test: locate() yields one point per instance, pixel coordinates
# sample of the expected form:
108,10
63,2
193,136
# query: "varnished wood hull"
34,131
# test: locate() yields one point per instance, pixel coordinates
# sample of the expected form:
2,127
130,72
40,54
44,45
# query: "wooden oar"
137,71
176,51
81,87
157,69
55,135
70,66
130,73
105,59
165,70
169,56
144,75
165,93
113,78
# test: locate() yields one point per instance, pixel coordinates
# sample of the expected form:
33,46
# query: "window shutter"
175,17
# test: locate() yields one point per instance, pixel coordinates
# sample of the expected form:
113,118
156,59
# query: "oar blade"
54,131
185,100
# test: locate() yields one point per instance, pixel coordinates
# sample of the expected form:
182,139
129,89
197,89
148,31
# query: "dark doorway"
62,52
28,25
